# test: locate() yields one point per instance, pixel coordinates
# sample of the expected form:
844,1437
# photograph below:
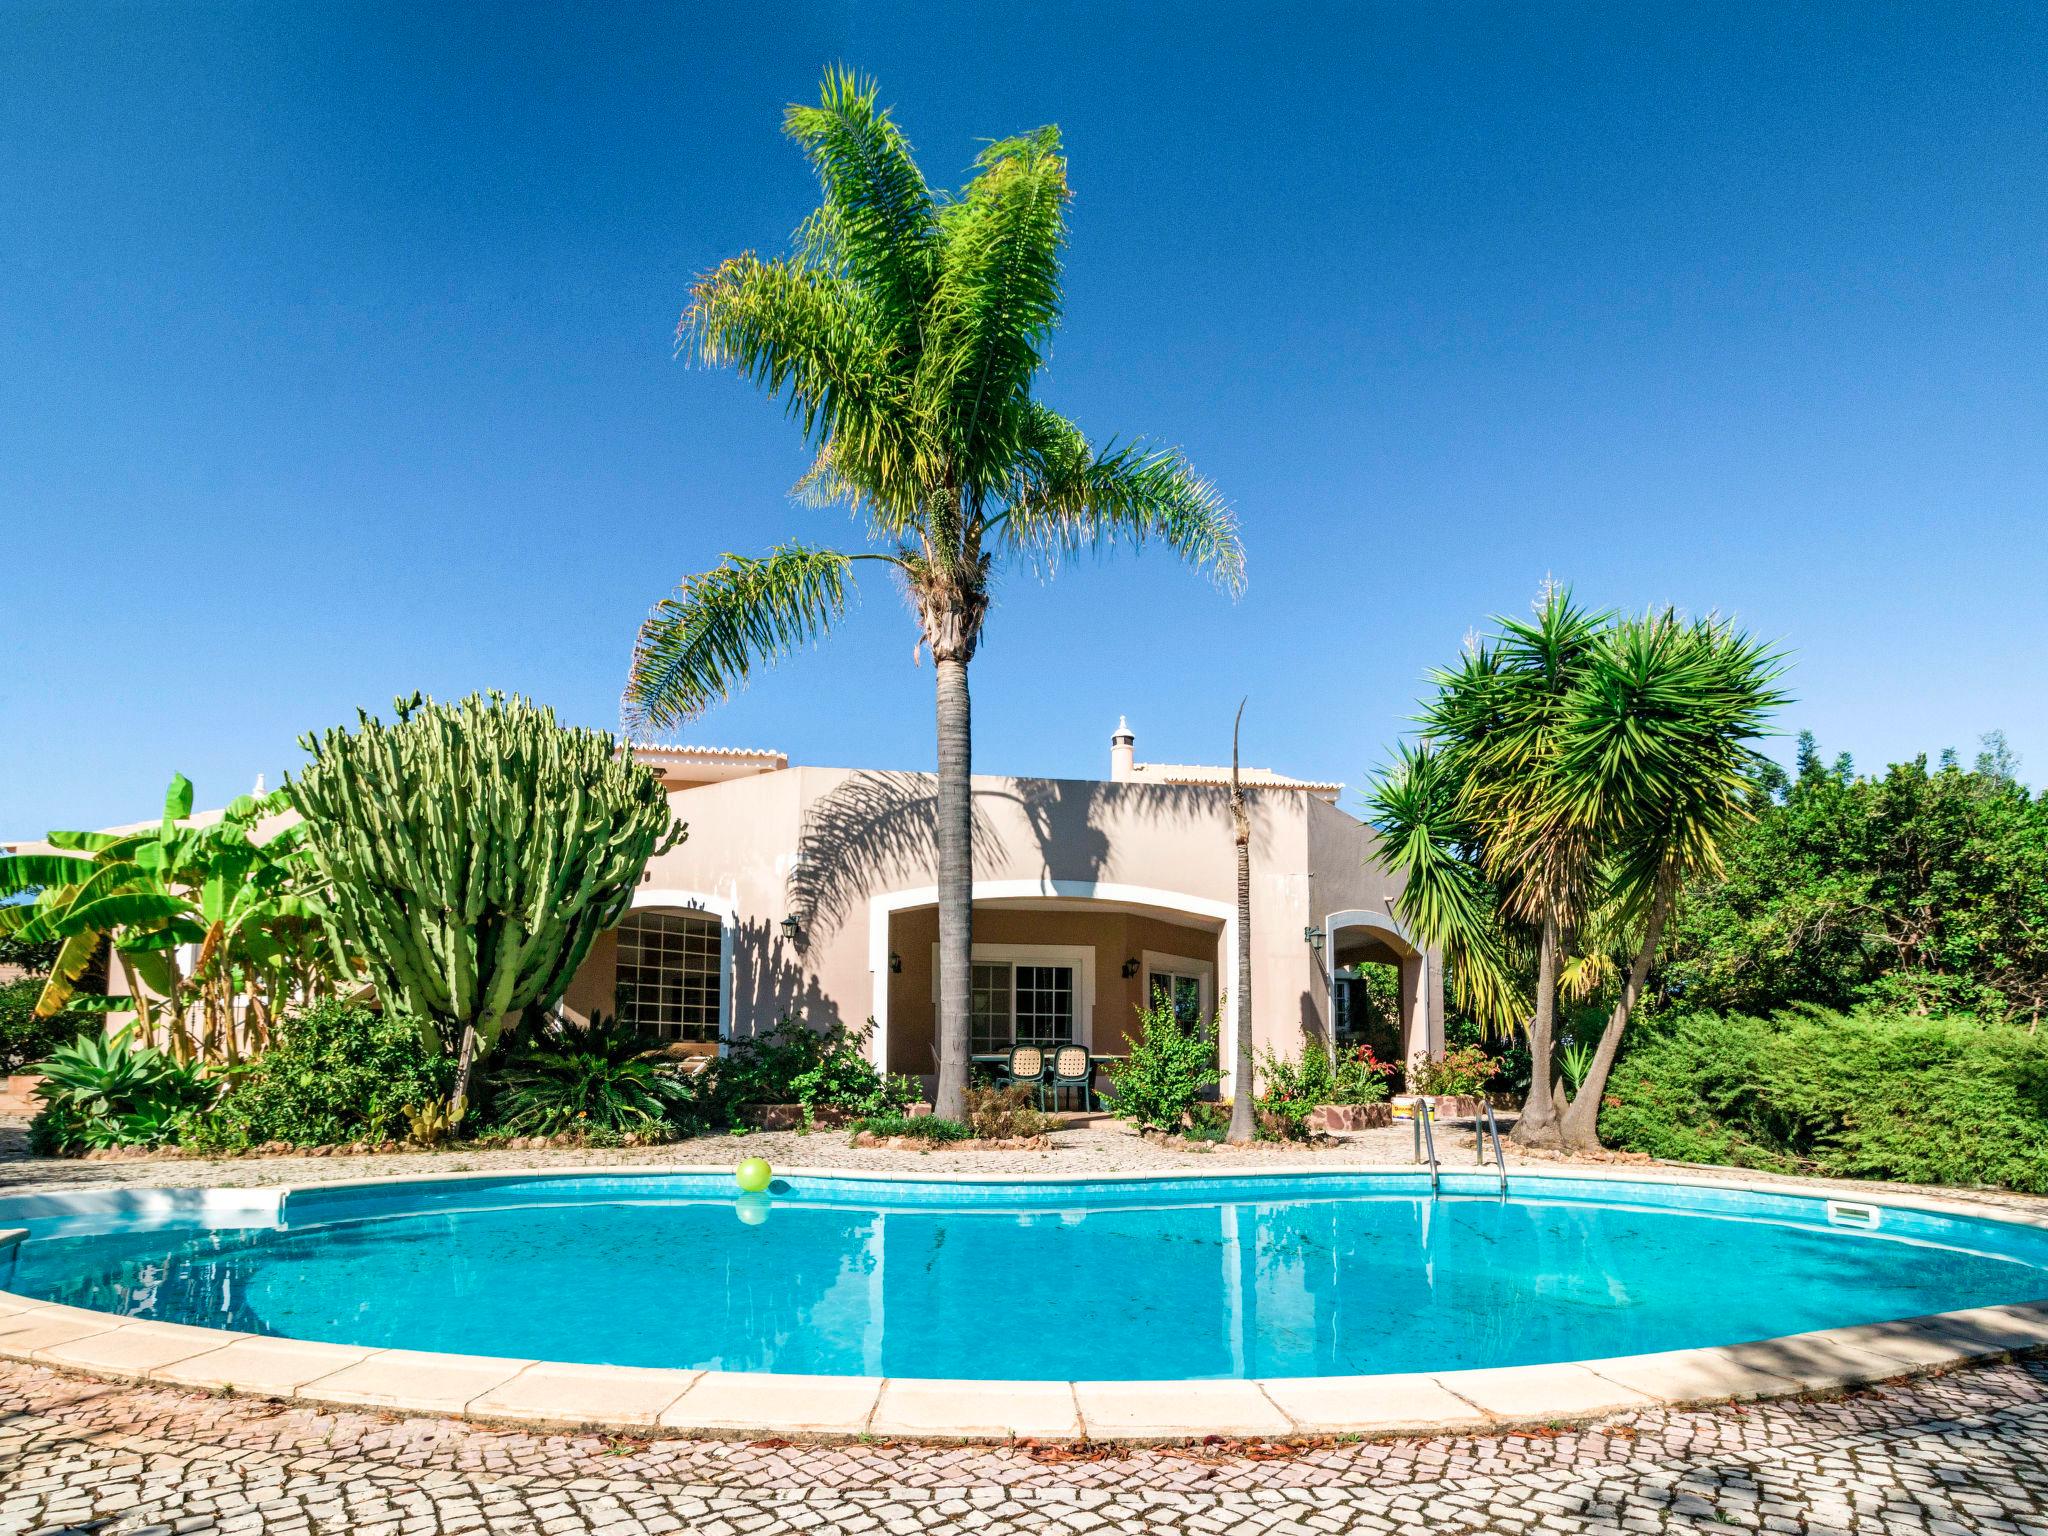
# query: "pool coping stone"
572,1395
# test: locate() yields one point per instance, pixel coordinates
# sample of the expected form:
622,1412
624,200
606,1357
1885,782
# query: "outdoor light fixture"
791,929
1130,967
895,963
1314,936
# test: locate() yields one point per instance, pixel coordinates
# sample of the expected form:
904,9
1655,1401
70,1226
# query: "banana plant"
210,927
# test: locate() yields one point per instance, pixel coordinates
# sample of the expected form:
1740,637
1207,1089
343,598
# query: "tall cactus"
475,851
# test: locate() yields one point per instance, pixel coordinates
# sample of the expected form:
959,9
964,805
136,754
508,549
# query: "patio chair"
1072,1067
1027,1064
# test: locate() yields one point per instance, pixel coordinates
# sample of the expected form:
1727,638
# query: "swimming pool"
1255,1277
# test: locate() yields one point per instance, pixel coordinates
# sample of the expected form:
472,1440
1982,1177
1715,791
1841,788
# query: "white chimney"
1123,754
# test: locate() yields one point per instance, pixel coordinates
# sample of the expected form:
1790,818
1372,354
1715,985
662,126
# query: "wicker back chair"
1072,1068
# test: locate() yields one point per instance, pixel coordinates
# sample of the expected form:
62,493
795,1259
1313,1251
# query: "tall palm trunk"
1581,1124
1242,1124
1538,1125
956,883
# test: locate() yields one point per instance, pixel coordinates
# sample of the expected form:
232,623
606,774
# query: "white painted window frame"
703,904
1179,965
1080,958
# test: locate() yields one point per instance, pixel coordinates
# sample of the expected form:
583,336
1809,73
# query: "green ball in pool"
753,1175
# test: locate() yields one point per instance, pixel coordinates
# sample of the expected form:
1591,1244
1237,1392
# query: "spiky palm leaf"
1446,900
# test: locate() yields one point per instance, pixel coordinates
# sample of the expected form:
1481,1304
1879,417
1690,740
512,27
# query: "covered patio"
1051,967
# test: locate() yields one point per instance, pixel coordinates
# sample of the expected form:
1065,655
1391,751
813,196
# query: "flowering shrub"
1464,1072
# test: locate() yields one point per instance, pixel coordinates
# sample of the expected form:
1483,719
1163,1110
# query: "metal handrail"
1427,1122
1499,1158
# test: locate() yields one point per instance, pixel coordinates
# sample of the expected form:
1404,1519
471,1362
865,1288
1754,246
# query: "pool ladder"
1425,1137
1485,1131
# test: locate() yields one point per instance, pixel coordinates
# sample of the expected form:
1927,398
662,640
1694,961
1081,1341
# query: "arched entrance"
1353,942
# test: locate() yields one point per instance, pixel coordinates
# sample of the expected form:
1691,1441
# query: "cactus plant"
473,852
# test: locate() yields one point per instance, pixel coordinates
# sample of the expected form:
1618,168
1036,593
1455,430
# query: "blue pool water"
1168,1279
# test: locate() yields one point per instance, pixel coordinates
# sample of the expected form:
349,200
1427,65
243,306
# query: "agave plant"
110,1090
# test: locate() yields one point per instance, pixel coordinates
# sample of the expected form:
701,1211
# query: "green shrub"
24,1038
1868,1095
335,1072
1292,1089
602,1079
1170,1065
819,1069
920,1127
1464,1070
105,1091
997,1114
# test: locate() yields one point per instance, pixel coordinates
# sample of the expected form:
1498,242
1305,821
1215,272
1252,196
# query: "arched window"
668,980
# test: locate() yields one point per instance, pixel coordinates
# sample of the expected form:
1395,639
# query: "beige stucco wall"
825,845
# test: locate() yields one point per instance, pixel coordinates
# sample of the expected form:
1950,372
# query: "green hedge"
1868,1095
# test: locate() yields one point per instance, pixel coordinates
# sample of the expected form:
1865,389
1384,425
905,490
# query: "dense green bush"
600,1079
1884,1096
24,1038
1171,1064
335,1072
819,1069
106,1091
1464,1070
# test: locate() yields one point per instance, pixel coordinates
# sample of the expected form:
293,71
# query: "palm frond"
802,335
995,305
1069,498
701,644
1445,899
877,225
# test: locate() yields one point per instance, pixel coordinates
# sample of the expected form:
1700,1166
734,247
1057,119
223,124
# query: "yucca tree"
1576,769
1490,876
905,332
1657,767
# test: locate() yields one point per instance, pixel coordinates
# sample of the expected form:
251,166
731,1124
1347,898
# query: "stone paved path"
1952,1456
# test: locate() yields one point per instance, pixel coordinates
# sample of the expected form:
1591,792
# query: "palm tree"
1576,771
905,332
1657,766
1488,877
1243,1125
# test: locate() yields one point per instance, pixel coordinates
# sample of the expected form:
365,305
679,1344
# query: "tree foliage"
1924,889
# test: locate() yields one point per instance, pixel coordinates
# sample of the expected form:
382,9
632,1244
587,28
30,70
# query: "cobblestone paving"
1953,1455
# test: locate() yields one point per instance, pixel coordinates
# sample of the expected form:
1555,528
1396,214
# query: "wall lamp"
895,963
792,930
1314,937
1130,967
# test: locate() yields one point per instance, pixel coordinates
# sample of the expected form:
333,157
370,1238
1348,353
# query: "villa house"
809,892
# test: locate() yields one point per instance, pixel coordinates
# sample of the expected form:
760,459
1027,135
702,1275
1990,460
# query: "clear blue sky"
335,361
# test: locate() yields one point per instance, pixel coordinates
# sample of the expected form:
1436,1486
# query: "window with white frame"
668,974
1186,983
1023,1002
1183,991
